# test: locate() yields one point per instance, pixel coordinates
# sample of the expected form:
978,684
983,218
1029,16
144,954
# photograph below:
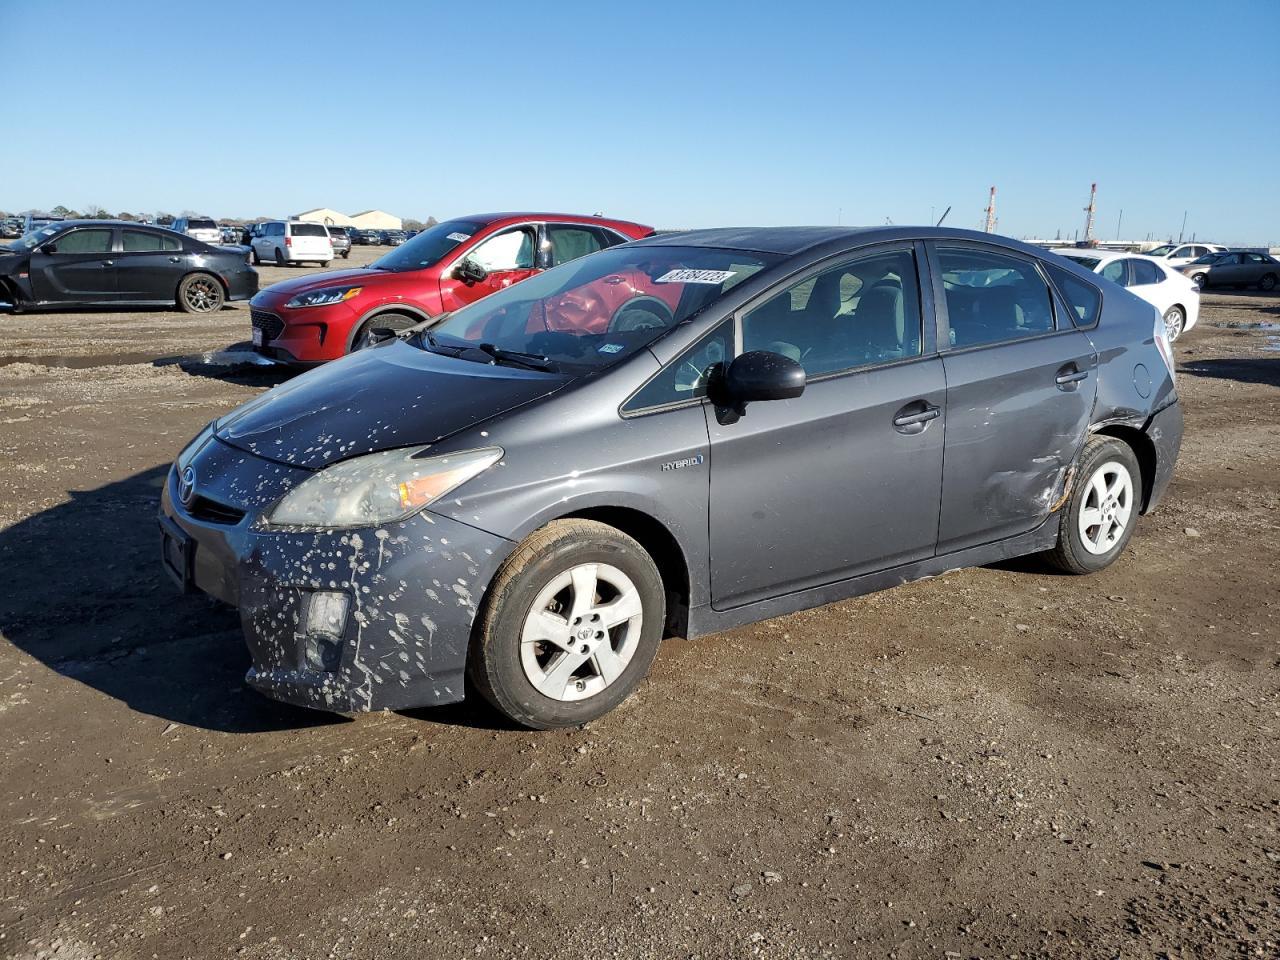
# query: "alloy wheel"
1173,322
582,630
1107,507
203,295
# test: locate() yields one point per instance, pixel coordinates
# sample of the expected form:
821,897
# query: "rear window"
1089,263
201,223
308,230
1083,297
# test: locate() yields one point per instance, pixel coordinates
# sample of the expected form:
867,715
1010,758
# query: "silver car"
1235,268
677,435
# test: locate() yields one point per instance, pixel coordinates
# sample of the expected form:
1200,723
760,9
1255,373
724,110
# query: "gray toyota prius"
669,437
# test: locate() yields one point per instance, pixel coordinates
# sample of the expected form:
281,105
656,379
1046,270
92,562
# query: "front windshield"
36,237
591,313
428,248
1163,251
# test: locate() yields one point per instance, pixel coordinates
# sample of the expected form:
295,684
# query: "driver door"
507,257
80,268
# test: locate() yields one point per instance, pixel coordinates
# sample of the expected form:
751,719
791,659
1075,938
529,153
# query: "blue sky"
675,114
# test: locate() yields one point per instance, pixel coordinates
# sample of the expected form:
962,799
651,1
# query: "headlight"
324,296
378,488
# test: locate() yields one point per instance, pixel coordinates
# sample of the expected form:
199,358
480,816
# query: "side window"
512,250
993,298
687,376
569,243
1083,297
84,241
1144,272
143,241
865,311
1115,272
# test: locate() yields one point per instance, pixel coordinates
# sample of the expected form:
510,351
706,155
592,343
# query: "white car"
1180,254
199,228
292,241
1175,296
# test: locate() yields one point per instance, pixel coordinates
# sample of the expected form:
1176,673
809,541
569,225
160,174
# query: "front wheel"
346,254
573,621
1200,279
257,260
397,322
1267,283
200,293
324,263
1100,514
1174,321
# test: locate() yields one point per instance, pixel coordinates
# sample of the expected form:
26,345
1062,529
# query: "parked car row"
1176,297
601,444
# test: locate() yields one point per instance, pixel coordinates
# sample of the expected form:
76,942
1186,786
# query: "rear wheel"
280,260
1174,320
1267,283
324,263
257,260
573,621
384,321
200,293
1100,514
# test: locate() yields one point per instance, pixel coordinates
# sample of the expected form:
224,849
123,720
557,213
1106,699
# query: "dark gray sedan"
672,436
1235,268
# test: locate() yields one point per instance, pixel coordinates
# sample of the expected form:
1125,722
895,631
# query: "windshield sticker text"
695,276
609,348
459,236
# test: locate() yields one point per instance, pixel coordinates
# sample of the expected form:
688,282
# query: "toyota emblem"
187,485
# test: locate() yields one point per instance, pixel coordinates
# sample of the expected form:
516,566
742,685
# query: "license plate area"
177,553
257,336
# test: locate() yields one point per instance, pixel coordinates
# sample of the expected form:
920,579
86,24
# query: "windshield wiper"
518,357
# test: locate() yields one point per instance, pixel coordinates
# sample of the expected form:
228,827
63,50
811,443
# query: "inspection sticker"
459,236
609,348
695,276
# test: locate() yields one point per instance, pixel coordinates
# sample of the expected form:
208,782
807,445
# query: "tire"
346,254
257,260
391,321
280,260
1175,320
1200,279
325,263
200,293
1103,460
1267,283
546,571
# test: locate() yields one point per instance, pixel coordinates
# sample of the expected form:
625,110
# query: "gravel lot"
1000,762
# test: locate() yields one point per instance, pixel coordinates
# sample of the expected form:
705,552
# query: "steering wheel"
641,313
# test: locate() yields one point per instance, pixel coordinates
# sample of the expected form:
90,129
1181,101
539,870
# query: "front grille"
270,325
211,511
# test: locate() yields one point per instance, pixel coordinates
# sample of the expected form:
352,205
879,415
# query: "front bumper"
412,589
303,336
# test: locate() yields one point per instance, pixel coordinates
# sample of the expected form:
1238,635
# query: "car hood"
390,396
361,275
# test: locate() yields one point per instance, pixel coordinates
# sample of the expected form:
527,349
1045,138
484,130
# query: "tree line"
95,212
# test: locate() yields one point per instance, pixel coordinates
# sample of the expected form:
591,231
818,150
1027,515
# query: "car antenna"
943,217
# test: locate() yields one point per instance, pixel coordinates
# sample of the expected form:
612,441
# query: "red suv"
326,315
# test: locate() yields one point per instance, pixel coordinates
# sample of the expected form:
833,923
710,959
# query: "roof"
488,218
1102,256
789,241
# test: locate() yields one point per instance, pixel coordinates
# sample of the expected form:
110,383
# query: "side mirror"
47,248
763,375
469,272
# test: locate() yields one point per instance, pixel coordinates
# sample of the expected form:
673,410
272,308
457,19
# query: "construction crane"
1088,221
991,213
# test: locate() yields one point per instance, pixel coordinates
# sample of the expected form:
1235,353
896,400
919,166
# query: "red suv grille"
270,325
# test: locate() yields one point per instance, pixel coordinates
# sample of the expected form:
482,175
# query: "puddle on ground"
210,358
1251,325
1272,345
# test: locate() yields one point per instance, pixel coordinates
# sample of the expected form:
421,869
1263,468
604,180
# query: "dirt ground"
1000,762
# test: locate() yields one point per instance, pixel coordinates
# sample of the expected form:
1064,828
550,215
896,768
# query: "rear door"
507,257
1021,381
149,265
309,241
82,267
846,478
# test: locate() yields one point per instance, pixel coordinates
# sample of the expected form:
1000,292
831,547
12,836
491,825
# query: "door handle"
175,259
916,417
108,263
1069,374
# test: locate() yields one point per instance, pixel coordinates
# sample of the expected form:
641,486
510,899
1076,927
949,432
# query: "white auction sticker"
695,276
459,236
